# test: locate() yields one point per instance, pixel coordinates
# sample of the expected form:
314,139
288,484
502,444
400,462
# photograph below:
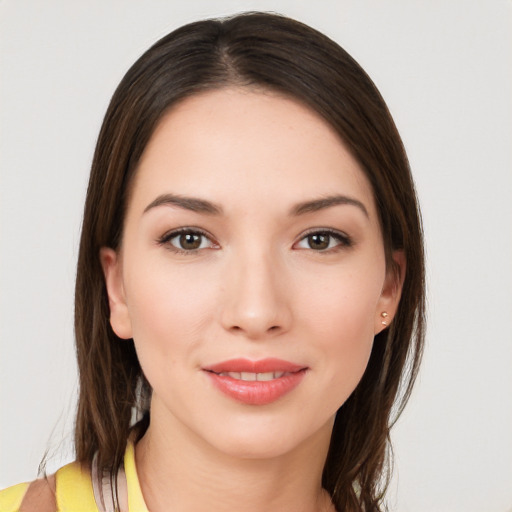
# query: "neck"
179,472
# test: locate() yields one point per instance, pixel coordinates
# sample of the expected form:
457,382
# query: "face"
251,274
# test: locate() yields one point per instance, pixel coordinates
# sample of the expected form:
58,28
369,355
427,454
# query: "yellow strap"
74,490
11,498
135,499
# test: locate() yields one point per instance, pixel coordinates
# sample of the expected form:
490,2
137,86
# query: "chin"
270,439
256,448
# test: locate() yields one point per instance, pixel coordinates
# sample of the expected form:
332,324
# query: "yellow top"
75,491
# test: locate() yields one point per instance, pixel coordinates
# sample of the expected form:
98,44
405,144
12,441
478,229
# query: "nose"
256,300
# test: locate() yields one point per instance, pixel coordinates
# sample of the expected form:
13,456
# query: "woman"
250,286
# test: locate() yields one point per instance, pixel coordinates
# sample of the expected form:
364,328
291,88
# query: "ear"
391,292
119,315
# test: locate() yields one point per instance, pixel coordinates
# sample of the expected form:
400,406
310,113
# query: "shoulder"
69,490
38,495
11,498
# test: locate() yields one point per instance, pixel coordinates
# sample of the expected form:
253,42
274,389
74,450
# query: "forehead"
239,144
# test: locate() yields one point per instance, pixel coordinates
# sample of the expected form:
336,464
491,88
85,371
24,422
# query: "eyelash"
344,241
166,239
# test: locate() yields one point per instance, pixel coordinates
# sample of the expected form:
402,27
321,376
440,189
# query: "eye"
324,240
186,240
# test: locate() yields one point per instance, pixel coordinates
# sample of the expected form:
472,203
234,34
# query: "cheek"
169,310
344,302
340,317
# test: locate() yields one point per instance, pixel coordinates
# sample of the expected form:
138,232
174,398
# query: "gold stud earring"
384,315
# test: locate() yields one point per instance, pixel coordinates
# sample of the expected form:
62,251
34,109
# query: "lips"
255,382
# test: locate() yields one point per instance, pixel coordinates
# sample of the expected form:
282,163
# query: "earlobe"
119,315
391,292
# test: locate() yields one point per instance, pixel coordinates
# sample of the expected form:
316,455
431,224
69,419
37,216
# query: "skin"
255,288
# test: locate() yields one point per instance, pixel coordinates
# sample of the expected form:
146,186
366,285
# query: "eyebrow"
195,204
187,203
327,202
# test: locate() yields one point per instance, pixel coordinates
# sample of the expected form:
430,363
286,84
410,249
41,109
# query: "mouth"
255,382
253,377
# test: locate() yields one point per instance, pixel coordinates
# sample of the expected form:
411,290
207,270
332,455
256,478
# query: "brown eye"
190,241
324,241
186,241
319,241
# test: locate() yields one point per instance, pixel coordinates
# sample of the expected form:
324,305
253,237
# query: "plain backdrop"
445,70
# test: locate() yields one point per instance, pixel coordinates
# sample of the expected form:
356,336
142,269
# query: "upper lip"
260,366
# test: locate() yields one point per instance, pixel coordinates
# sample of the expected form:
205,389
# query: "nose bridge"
256,301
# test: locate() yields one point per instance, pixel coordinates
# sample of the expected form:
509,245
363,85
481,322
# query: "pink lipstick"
256,382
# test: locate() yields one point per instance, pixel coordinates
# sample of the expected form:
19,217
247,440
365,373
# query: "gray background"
445,70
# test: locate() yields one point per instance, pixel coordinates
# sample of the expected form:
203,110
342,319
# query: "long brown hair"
273,52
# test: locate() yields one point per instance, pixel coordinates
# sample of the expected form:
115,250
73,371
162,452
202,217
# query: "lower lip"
257,392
